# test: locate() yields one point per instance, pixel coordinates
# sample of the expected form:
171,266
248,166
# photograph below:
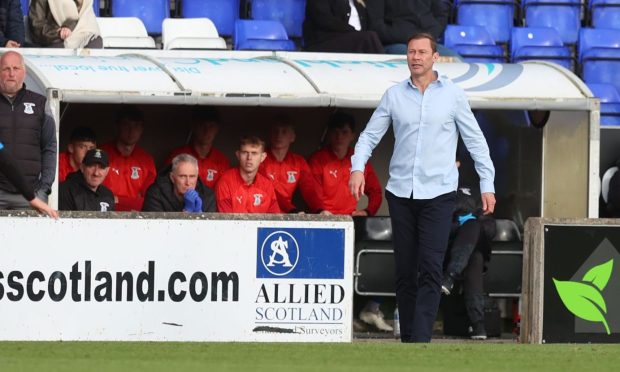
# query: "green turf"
363,356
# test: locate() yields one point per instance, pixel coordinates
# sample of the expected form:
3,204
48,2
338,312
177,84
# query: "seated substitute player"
84,190
81,140
288,171
211,161
179,189
331,167
9,169
132,169
243,189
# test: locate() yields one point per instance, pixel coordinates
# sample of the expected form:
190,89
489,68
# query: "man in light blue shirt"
427,113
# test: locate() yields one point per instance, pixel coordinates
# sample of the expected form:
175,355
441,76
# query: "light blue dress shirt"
426,129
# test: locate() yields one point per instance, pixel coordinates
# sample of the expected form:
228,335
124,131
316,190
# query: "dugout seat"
605,182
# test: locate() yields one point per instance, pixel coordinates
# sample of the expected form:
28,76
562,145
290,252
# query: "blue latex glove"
197,203
192,201
466,217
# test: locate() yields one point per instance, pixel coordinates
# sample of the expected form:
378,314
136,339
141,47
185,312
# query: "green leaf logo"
584,299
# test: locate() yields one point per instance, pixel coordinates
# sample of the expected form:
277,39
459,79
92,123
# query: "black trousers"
420,233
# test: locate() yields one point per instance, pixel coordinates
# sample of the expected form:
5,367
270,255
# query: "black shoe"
478,332
448,284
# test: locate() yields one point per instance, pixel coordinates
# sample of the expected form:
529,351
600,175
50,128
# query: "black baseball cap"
96,156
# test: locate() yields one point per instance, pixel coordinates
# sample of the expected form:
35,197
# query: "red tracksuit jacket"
129,177
333,175
234,196
286,176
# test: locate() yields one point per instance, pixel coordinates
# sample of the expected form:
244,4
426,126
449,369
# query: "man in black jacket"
179,189
396,20
27,131
83,190
338,26
15,177
11,24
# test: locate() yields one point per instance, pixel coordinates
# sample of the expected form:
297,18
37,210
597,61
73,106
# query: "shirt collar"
441,80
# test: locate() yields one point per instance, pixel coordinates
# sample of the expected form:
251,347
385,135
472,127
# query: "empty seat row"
564,15
475,44
194,33
223,13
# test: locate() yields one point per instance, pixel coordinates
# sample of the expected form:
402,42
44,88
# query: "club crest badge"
28,108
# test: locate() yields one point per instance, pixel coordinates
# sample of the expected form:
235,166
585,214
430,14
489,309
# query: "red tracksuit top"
210,169
286,175
64,166
333,175
129,177
234,196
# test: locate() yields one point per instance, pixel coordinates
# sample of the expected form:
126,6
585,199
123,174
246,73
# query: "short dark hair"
282,120
82,134
252,140
339,120
129,112
201,114
424,35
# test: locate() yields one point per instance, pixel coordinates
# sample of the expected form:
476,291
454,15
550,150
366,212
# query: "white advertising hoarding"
175,280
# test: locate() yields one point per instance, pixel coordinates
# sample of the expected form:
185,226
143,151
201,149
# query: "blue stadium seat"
473,44
599,55
496,15
151,12
223,13
261,35
610,102
96,7
563,15
290,13
25,6
605,13
541,43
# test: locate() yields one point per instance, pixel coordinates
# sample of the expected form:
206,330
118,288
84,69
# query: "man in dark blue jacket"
11,24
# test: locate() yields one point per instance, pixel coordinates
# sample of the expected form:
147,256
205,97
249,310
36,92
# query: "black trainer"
478,332
448,284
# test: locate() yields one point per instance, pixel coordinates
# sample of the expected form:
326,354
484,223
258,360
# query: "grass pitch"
363,356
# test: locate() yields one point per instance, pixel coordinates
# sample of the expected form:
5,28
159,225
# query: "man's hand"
488,202
326,213
64,32
192,201
42,207
356,184
12,44
359,213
